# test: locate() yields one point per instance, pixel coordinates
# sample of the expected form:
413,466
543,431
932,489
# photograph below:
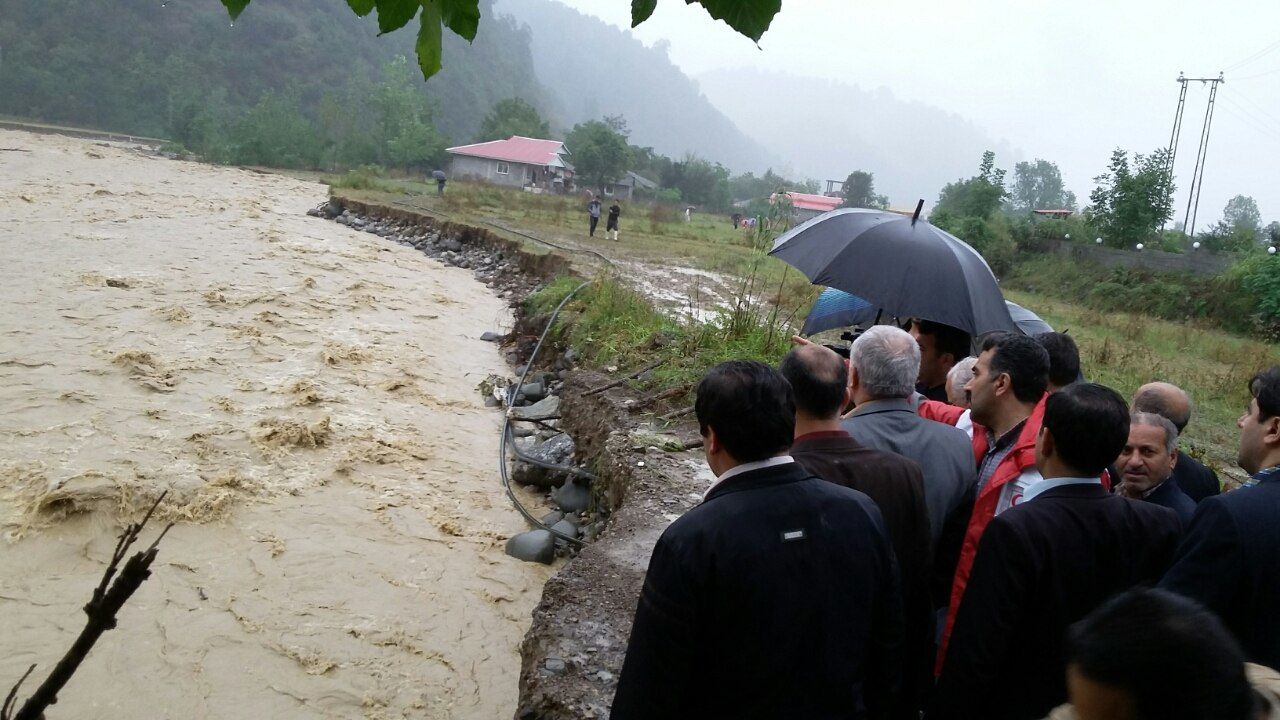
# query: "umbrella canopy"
906,267
837,308
437,174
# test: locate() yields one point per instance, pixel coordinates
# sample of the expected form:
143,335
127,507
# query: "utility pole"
1176,135
1197,176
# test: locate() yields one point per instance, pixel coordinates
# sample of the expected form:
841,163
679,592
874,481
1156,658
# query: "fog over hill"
596,69
827,129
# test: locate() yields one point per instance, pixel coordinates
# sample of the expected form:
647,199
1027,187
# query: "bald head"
818,378
1166,400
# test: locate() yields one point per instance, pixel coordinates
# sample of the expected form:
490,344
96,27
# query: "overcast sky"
1067,82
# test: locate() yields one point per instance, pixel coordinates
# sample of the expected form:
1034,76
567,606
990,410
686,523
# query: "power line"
1252,57
1261,116
1256,106
1250,122
1261,74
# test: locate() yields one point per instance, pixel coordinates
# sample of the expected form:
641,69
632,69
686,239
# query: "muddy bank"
307,395
573,651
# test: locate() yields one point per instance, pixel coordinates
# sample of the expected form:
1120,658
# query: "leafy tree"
1130,203
702,183
860,191
406,135
1241,214
976,197
1038,186
601,155
513,116
749,187
275,133
749,17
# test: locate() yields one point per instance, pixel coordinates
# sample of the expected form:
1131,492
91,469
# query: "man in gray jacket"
883,364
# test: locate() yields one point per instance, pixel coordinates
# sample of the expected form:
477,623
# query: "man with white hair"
1146,465
883,365
959,376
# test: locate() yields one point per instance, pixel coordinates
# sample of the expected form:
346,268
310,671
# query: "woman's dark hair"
1090,426
750,406
1172,657
1025,361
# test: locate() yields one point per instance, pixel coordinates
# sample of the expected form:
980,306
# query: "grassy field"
1118,349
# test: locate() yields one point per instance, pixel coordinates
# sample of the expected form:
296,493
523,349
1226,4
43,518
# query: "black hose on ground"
507,432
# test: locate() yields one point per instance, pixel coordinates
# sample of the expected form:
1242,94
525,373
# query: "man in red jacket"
1006,397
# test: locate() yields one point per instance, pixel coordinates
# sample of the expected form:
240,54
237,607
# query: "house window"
504,168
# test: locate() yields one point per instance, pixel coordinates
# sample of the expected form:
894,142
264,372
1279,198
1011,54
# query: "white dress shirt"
748,467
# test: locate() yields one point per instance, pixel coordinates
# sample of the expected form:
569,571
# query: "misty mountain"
595,69
827,129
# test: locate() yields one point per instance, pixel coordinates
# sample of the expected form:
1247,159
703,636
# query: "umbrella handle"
916,216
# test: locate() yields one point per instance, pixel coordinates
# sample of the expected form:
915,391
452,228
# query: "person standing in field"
593,215
611,225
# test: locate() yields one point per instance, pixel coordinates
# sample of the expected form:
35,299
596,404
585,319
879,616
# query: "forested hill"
597,69
139,65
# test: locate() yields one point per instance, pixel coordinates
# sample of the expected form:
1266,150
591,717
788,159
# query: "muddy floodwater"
307,395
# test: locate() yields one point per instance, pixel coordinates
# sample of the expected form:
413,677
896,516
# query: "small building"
517,162
1054,214
630,185
807,206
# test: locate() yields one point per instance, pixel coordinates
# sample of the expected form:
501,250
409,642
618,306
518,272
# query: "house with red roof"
807,205
517,161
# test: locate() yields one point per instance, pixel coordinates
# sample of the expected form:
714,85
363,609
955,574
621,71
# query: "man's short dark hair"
818,379
1172,657
1265,388
946,339
1064,357
750,406
1090,426
1024,359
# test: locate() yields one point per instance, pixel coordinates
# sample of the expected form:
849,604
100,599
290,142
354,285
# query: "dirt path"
306,393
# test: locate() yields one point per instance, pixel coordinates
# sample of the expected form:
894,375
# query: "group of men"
978,537
593,218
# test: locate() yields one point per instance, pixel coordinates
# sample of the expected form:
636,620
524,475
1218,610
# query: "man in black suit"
1047,562
1146,465
1230,559
777,596
1171,401
819,380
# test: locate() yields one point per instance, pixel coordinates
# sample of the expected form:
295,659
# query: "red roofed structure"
517,161
808,205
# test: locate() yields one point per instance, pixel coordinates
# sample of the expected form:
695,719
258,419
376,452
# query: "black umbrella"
837,309
900,264
437,174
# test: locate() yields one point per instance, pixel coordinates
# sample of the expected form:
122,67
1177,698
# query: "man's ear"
1002,384
1271,436
1044,440
712,441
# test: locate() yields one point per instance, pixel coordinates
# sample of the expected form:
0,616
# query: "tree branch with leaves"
749,17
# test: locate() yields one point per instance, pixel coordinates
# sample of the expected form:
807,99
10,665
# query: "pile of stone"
535,423
489,267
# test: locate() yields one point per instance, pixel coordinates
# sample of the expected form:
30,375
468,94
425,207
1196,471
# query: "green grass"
613,325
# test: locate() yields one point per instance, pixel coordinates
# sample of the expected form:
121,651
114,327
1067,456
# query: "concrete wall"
474,168
1197,262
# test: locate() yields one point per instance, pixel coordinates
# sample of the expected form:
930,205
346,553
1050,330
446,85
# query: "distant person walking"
440,180
611,225
593,215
